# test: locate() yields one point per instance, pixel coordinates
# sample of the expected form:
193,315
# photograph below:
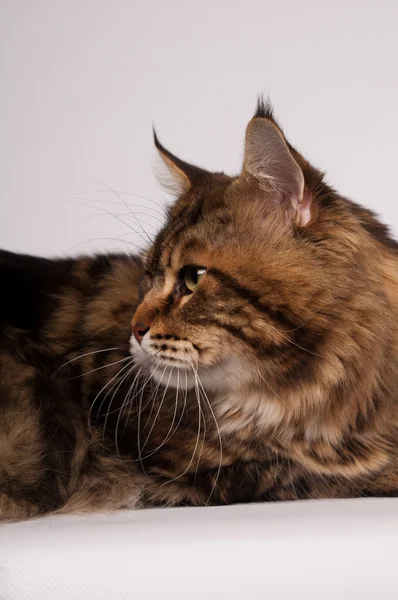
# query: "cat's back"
36,288
28,283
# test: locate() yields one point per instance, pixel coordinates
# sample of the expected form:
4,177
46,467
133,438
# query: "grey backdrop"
82,81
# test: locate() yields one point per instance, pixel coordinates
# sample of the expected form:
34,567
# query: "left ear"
269,160
181,175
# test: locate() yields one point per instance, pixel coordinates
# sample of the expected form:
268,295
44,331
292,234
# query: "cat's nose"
139,330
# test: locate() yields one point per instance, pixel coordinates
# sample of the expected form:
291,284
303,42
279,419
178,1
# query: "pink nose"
139,331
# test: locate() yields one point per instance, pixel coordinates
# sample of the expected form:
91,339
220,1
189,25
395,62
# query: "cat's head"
246,283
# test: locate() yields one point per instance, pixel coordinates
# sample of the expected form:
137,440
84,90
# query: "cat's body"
273,377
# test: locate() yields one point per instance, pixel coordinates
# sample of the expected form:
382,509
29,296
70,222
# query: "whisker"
204,425
219,438
302,324
128,401
294,343
108,239
125,402
121,193
127,206
127,367
115,389
139,420
96,201
109,412
153,396
99,368
185,403
268,385
107,212
126,215
194,451
100,392
82,356
141,390
169,433
157,415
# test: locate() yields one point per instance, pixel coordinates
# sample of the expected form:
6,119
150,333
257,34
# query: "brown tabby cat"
263,363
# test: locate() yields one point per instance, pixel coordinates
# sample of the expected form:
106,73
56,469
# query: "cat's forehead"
194,214
207,195
221,216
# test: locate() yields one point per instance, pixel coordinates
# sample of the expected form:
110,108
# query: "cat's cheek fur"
220,380
227,374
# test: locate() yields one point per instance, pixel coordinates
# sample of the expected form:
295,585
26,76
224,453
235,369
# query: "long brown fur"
276,379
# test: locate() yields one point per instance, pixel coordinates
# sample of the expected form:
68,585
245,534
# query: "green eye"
191,275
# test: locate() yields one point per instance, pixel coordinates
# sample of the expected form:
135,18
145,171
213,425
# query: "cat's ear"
269,160
180,176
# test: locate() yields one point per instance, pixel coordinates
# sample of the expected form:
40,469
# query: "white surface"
82,81
323,550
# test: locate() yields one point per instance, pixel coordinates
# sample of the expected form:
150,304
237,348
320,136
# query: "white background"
83,80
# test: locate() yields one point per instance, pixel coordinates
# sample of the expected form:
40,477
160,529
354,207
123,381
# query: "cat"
250,354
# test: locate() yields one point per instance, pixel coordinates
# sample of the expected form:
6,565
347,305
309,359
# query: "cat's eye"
191,275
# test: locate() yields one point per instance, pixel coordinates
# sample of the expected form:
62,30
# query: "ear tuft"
264,109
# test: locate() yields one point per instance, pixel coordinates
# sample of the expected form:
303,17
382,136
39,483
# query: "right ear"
181,175
269,160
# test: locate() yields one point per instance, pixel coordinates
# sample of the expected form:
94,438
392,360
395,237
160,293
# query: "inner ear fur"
268,158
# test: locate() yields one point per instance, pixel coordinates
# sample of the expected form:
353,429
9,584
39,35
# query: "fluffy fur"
276,378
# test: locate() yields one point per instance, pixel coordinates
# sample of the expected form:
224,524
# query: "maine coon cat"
251,354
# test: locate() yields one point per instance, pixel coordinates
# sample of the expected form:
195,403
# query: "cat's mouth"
166,359
178,363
